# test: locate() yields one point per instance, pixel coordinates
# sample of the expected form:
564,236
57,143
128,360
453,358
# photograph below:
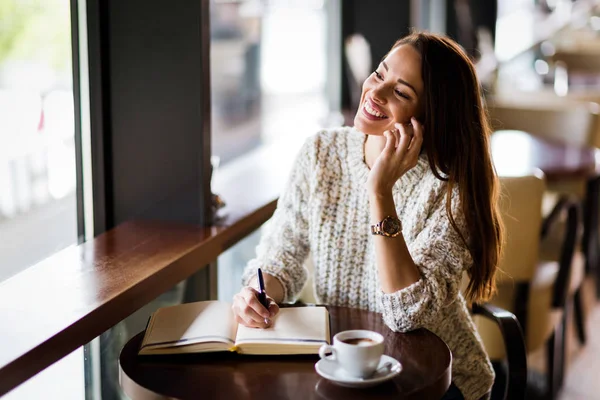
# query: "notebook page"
296,324
185,324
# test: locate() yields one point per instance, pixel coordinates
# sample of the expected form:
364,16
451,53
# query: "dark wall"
479,14
154,120
381,22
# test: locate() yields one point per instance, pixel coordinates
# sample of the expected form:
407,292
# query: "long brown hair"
456,141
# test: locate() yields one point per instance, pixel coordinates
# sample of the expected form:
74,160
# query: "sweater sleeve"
441,257
284,245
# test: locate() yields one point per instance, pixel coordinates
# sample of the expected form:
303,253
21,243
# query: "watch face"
390,225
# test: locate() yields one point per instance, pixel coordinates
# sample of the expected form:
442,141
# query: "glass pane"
62,380
231,265
268,72
515,27
38,214
102,354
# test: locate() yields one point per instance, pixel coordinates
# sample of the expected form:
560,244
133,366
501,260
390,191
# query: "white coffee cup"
357,352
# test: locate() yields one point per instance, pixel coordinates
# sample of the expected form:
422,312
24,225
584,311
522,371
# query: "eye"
399,93
378,75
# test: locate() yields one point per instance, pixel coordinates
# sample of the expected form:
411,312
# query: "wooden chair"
534,291
568,121
516,355
559,225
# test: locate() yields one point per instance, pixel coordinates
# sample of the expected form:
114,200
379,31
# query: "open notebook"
207,326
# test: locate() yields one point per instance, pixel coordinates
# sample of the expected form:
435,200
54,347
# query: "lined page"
185,324
297,324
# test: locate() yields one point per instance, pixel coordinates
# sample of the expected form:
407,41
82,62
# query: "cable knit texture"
324,209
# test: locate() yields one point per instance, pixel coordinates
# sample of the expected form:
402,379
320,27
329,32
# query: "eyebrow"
402,81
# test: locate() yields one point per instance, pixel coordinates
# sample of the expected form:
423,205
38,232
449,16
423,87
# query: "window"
38,204
268,72
269,83
38,200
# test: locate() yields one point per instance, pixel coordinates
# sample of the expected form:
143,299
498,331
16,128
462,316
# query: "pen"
262,294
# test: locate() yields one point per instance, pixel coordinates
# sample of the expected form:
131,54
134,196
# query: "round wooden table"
516,153
425,358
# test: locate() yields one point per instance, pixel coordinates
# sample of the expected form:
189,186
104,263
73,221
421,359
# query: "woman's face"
392,93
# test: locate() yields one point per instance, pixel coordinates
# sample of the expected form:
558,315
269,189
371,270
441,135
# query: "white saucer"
332,371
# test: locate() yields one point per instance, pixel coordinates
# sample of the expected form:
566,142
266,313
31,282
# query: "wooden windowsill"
65,301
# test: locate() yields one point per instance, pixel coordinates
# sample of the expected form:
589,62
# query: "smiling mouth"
372,112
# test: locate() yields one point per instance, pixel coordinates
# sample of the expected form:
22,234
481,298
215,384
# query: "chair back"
520,206
572,122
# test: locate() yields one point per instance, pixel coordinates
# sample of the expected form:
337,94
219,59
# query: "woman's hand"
249,312
400,154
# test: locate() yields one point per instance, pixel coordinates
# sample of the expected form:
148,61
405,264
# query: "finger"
396,134
238,313
405,138
250,295
246,312
249,324
418,134
249,313
390,143
273,308
252,319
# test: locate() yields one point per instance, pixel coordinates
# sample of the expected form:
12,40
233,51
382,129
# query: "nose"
378,93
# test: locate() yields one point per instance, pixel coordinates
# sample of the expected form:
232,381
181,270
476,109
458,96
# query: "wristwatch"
389,226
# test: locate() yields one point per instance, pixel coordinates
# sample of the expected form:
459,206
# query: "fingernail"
267,321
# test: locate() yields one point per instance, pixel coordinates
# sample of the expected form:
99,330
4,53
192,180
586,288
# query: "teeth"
373,112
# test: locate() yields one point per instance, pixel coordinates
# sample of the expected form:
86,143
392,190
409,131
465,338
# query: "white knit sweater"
324,209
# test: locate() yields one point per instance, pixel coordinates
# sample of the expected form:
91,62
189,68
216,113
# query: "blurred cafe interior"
145,144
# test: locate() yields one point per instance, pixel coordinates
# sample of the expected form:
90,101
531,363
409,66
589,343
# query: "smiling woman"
386,208
392,93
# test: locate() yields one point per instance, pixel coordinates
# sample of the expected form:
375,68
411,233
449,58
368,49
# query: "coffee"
361,358
359,341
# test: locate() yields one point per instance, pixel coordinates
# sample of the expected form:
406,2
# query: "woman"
395,209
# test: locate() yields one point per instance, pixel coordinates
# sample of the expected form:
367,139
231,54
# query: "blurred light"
594,108
595,23
547,48
561,79
518,145
541,67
